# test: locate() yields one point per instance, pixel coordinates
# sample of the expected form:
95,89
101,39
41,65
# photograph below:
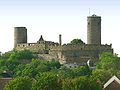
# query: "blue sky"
53,17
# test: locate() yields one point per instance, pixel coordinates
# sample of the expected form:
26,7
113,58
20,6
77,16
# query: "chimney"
60,39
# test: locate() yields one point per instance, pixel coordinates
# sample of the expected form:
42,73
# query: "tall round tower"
93,29
20,35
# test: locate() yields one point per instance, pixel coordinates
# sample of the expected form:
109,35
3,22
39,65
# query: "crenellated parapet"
37,47
82,47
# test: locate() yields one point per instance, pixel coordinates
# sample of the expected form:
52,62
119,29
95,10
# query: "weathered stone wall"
82,47
79,53
67,53
39,47
31,46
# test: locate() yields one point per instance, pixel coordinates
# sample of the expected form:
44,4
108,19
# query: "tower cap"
94,15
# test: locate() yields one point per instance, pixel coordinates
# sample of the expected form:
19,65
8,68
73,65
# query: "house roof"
114,78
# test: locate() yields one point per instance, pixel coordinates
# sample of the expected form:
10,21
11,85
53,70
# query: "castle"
69,54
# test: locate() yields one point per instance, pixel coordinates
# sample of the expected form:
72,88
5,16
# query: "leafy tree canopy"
108,66
47,81
24,54
81,83
38,66
76,42
9,61
19,83
109,61
101,75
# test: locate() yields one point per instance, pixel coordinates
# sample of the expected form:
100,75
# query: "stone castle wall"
36,47
79,53
66,53
82,47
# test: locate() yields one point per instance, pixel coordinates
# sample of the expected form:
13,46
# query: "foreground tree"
65,72
81,83
108,66
101,75
39,66
47,81
109,61
21,55
82,71
20,83
34,68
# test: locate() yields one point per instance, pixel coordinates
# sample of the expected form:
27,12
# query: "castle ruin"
79,54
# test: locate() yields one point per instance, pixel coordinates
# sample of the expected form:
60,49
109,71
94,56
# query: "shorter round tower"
93,29
20,35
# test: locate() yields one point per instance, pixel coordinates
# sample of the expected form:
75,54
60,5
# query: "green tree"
95,84
20,83
34,68
47,81
65,72
80,83
6,55
82,71
76,41
11,64
3,66
101,75
18,57
18,70
39,66
109,61
54,64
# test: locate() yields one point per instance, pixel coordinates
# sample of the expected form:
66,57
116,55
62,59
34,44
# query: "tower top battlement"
94,16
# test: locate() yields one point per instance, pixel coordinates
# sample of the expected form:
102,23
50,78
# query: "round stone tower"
93,29
20,35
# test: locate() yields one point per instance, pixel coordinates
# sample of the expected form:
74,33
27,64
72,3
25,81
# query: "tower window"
98,23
